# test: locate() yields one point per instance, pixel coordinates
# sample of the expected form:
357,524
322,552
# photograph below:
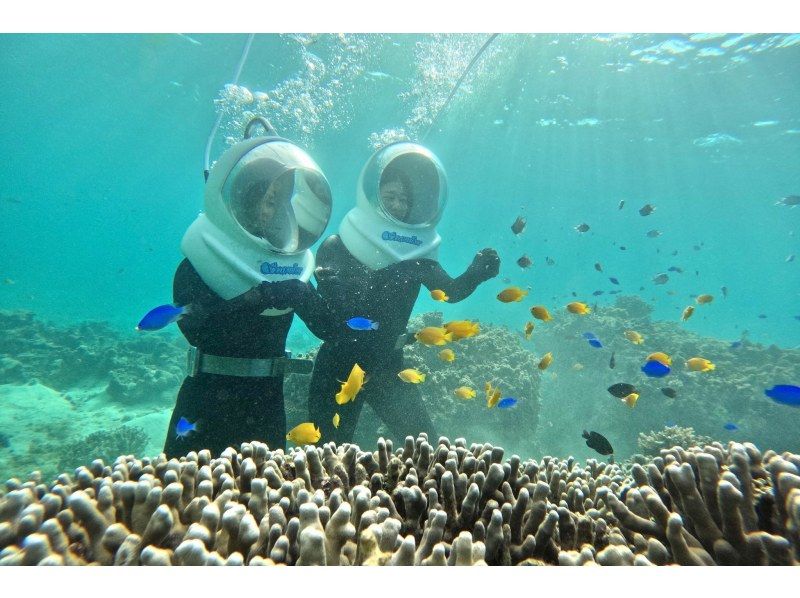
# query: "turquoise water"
103,139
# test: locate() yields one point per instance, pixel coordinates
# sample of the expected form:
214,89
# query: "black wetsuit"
233,409
386,296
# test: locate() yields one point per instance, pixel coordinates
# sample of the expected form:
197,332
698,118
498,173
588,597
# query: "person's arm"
485,265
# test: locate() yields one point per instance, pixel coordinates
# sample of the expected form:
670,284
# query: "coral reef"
652,443
448,504
105,445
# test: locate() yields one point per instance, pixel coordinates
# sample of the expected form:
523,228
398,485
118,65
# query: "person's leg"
402,409
328,370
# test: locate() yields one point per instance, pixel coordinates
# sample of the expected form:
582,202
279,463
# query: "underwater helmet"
401,194
266,203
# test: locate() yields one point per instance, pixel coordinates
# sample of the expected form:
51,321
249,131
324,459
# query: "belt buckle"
193,357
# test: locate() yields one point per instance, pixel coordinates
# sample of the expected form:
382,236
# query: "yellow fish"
540,313
511,294
661,358
305,433
687,313
631,399
492,395
546,361
411,375
336,420
528,330
704,298
439,295
464,392
352,387
462,328
634,337
699,364
578,307
447,355
434,335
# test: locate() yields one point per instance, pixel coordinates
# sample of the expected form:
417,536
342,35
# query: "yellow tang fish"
447,355
546,361
336,420
352,387
464,392
578,307
305,433
439,295
494,399
634,337
631,399
528,330
704,298
540,313
660,357
687,313
699,364
434,335
511,294
462,328
411,375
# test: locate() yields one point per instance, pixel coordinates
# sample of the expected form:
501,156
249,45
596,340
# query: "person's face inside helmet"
395,198
260,207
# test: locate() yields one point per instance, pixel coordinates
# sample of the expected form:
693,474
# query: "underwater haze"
103,139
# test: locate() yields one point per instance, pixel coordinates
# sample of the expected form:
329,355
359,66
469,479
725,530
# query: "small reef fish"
653,233
507,403
789,200
670,392
623,248
434,335
598,442
447,355
540,313
336,420
524,262
582,228
493,395
724,292
702,299
439,295
595,342
687,313
462,328
183,427
613,280
736,344
578,307
789,258
528,330
699,364
598,266
675,269
511,295
160,316
662,278
305,433
8,281
621,389
655,369
550,261
411,376
647,209
612,363
634,337
621,204
577,367
731,427
598,293
631,399
464,392
785,394
352,386
660,357
545,361
519,225
359,323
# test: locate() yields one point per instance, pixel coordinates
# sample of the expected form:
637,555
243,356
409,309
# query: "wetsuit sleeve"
315,312
335,275
485,265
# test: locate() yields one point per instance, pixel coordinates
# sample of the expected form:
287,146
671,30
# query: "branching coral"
653,442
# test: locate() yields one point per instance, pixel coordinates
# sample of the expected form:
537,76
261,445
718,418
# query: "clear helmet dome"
405,183
277,194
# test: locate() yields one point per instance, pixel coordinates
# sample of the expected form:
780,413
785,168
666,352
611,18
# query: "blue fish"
507,403
358,323
730,427
736,344
785,394
655,369
595,343
160,316
183,427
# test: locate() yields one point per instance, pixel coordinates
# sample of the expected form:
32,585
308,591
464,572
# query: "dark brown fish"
621,389
647,209
621,204
582,228
670,392
519,225
789,200
598,442
724,292
524,262
660,278
653,233
598,266
550,261
612,363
